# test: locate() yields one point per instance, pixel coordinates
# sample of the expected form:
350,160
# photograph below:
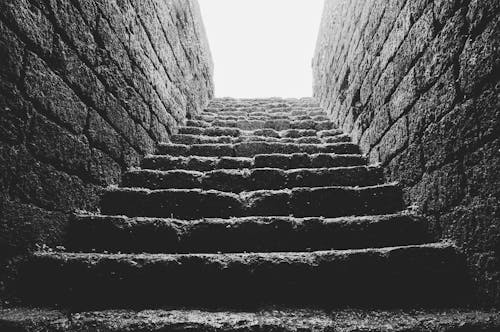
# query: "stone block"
11,51
482,168
267,203
48,90
53,144
480,58
394,140
29,21
226,180
433,104
480,11
103,170
24,226
267,178
69,21
433,73
15,114
441,52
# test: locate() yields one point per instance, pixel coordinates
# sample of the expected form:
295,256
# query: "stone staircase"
254,203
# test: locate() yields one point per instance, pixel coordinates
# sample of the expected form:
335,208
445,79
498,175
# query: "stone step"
234,132
198,139
237,116
411,275
251,149
282,161
212,131
252,234
291,110
198,123
263,113
304,160
260,319
237,180
344,138
270,124
299,202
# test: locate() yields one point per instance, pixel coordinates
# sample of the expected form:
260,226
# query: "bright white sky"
262,48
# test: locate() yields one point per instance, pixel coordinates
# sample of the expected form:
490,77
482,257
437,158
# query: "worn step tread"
262,117
262,113
250,234
298,202
251,149
261,124
212,131
224,108
263,320
234,132
413,275
282,161
200,139
260,106
196,163
238,180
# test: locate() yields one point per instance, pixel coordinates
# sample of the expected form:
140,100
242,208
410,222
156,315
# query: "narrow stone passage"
254,203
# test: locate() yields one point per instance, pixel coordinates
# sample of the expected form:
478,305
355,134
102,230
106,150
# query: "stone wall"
415,82
87,87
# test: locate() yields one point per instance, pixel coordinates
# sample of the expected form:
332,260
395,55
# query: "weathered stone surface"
363,277
254,179
290,161
251,234
263,116
84,95
195,163
11,51
200,139
282,161
24,226
45,88
393,141
480,58
270,124
252,149
15,114
420,99
198,203
30,22
286,320
214,131
53,144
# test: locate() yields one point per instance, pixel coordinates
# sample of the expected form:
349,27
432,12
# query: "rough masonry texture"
87,88
281,225
415,83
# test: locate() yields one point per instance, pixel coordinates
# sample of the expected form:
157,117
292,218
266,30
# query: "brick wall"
416,84
87,87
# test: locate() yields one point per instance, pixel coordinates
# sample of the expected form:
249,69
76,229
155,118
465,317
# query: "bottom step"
285,320
401,276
